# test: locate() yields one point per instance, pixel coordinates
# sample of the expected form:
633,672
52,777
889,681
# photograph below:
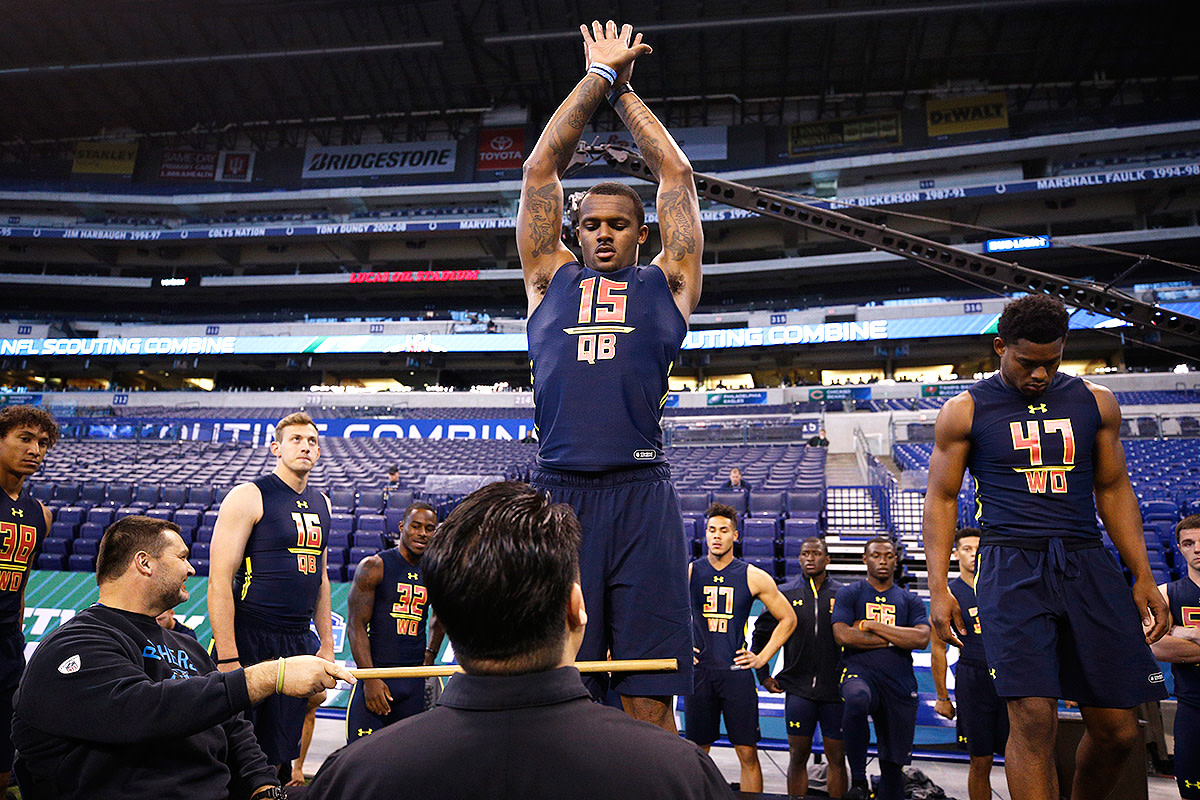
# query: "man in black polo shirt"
503,577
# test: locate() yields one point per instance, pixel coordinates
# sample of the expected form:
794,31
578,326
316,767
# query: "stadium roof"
80,68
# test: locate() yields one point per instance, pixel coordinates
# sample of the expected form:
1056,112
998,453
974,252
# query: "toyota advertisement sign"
500,148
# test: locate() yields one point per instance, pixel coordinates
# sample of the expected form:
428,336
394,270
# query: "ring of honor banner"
104,158
984,112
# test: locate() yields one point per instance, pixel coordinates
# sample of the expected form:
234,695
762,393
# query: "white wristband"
604,71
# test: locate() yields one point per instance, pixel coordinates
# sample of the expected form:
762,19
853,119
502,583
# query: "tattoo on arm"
543,218
676,222
564,133
641,123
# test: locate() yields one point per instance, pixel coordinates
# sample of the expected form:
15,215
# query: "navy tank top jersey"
721,602
894,606
278,581
972,649
22,528
1031,459
397,630
1183,596
601,345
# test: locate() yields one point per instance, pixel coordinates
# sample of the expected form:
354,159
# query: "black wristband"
233,660
617,91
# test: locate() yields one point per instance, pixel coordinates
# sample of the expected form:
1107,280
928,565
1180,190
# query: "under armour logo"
793,724
412,576
18,512
992,672
798,602
719,579
1039,408
1191,784
301,504
365,731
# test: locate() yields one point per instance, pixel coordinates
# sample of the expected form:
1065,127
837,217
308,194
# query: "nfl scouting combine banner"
385,158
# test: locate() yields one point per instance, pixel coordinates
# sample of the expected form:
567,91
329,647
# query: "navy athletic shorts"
894,715
1061,623
12,664
408,698
278,720
722,692
803,715
633,571
982,715
1187,750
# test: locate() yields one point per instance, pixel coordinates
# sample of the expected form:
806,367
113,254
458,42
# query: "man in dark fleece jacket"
114,705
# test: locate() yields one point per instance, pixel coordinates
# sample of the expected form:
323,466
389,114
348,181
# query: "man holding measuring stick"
503,577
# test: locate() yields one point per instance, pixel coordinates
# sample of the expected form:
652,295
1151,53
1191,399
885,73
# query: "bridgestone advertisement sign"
365,160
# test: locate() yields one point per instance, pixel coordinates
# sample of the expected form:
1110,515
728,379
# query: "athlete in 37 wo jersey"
723,589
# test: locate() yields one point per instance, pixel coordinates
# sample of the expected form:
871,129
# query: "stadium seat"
173,496
357,554
341,500
101,516
85,547
188,519
370,523
119,494
81,563
399,499
73,515
367,539
806,504
200,565
767,504
693,504
757,547
159,513
52,561
93,494
336,555
369,500
200,497
734,498
56,546
43,491
66,494
62,530
799,529
209,518
91,530
199,550
336,572
146,495
338,540
760,528
203,534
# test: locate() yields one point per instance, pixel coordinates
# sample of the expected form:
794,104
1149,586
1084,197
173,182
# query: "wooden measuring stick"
442,670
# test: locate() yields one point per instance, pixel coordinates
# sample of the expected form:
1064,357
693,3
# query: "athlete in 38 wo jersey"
26,434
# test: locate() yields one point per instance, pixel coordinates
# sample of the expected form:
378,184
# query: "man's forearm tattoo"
543,218
641,123
676,219
567,130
